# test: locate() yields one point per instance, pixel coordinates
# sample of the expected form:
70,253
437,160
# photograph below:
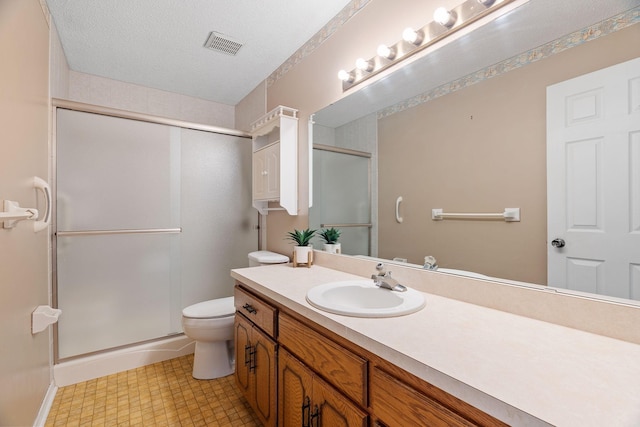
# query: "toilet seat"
212,309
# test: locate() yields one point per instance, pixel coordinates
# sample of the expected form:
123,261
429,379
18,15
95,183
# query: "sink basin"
361,298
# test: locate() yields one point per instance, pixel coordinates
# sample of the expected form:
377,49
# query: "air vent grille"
222,43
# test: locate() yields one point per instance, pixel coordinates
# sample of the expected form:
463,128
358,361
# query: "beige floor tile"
162,394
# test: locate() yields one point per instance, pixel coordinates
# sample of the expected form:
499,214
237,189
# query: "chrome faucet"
430,263
384,280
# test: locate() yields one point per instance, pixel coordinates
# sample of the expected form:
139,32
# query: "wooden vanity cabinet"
396,404
304,399
256,367
326,380
343,369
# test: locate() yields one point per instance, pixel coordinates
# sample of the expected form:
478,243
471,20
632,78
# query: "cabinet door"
266,173
272,160
242,334
335,410
264,389
294,388
259,170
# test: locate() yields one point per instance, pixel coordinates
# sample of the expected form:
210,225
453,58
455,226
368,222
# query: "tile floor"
162,394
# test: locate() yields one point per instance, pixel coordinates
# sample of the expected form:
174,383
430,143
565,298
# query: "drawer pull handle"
250,308
306,412
315,417
250,357
247,355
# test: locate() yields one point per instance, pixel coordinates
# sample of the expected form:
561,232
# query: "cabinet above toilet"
275,161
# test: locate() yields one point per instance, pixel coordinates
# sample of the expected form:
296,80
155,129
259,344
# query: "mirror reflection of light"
444,17
386,52
364,65
345,76
412,36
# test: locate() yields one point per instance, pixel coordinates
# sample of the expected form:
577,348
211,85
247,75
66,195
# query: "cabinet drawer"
343,369
259,312
397,404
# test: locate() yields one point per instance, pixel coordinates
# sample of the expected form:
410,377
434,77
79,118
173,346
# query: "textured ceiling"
159,43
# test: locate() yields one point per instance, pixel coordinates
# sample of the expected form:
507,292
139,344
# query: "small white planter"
302,255
333,248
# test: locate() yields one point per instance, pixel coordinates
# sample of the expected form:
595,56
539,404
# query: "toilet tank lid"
220,307
268,257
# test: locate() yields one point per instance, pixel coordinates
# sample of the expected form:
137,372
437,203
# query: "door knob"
557,243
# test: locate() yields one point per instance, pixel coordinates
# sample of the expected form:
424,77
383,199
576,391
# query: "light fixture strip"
465,13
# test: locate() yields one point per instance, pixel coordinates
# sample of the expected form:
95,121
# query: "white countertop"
523,371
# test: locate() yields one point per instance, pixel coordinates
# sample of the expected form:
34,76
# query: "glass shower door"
150,218
342,197
118,224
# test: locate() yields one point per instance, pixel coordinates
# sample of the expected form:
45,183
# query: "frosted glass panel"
114,173
218,222
341,192
114,290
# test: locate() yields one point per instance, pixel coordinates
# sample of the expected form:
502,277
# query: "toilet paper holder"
44,316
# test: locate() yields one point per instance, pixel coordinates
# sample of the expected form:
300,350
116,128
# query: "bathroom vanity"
450,364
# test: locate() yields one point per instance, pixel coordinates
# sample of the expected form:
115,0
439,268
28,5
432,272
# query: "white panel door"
593,180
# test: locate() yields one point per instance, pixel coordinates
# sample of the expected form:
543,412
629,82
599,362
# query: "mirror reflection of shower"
342,197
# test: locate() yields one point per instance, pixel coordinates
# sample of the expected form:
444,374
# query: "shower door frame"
122,114
368,156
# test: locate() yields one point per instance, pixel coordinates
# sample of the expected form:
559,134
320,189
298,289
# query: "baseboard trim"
100,365
43,413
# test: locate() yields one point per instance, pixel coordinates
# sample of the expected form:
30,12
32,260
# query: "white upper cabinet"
275,160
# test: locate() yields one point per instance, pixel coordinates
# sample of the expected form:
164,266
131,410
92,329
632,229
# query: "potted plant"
330,237
302,250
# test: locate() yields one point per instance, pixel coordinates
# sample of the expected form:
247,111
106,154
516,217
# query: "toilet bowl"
210,324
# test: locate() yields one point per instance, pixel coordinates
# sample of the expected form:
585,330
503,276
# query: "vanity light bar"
415,40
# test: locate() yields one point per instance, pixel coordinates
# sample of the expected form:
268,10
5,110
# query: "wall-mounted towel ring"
41,184
398,217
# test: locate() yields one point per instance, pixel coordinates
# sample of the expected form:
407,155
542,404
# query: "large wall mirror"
464,129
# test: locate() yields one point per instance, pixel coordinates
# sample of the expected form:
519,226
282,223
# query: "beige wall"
24,278
481,149
253,105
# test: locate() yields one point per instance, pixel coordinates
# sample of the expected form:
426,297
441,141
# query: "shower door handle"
399,219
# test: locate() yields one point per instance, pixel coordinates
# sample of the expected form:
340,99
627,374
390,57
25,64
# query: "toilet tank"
266,258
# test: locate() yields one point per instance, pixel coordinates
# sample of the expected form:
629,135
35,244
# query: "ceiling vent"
222,43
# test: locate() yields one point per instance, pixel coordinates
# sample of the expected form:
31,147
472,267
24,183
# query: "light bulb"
443,17
386,51
412,36
486,3
345,76
364,65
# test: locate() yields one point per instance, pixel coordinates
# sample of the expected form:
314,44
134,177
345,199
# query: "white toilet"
210,324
